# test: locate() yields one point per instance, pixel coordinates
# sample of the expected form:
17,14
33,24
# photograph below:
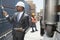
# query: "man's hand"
5,13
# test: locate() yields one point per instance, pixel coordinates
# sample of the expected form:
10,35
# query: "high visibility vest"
33,19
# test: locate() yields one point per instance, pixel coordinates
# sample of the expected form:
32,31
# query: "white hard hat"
20,3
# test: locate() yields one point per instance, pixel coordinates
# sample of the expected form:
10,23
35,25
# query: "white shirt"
19,15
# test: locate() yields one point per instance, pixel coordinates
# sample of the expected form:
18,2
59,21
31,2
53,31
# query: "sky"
39,4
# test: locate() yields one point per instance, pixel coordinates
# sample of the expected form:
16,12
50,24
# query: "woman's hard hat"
33,14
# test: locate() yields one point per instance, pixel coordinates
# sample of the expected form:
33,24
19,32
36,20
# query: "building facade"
32,5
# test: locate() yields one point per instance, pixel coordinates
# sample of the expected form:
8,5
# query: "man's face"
19,8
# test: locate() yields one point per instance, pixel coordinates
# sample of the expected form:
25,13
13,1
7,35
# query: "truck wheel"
50,34
50,30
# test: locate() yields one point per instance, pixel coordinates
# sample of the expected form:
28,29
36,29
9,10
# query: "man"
20,21
41,24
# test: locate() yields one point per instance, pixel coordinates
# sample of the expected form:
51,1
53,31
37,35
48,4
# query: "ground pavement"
36,35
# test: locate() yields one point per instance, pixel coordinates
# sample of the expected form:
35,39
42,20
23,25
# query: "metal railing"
7,36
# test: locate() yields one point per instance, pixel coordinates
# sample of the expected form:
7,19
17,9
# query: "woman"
33,23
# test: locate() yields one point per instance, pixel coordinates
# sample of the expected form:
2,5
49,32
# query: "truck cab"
51,17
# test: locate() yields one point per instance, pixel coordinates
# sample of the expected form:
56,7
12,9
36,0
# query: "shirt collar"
21,12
